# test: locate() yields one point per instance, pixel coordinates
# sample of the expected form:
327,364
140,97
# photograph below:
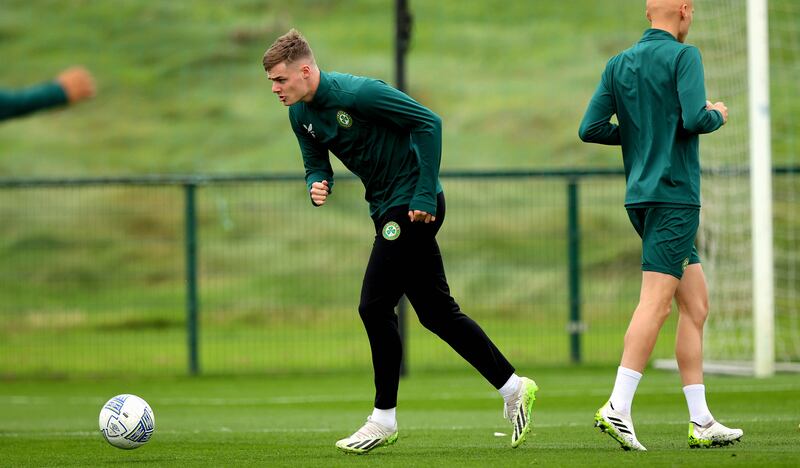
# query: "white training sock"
698,409
510,388
385,417
624,388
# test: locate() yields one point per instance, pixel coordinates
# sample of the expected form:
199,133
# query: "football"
127,422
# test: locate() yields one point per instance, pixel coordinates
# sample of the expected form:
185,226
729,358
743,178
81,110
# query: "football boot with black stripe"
519,411
712,434
618,426
371,436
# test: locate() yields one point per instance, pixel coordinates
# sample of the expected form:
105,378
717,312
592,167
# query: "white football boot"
371,436
712,434
618,426
519,411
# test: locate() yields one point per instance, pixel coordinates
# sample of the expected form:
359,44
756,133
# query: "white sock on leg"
510,388
696,400
624,388
385,417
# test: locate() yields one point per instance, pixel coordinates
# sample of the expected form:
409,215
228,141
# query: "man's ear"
305,70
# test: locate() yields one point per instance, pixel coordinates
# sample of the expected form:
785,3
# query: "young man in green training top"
656,89
393,144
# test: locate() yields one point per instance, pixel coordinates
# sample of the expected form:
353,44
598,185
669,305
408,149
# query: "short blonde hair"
288,48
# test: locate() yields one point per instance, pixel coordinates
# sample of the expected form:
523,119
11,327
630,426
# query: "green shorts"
668,235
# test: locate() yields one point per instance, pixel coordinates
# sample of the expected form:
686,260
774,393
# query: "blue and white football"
127,422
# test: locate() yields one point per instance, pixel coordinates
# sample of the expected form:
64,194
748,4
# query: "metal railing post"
403,22
191,277
573,243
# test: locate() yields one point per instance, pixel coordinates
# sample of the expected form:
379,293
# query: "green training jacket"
656,89
390,141
25,101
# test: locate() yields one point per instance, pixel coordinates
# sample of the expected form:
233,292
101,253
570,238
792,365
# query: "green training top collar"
656,35
321,95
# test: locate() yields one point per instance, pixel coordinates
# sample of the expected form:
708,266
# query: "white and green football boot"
519,411
712,434
371,436
618,426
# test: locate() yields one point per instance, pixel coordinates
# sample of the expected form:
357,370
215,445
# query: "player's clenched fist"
319,192
719,107
78,84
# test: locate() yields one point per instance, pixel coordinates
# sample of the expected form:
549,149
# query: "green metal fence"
239,274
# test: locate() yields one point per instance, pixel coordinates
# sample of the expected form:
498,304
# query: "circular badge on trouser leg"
391,231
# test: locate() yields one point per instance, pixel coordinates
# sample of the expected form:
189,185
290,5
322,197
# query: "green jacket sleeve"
596,126
692,94
315,156
382,103
31,99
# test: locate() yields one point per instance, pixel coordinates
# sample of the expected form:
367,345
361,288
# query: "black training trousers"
410,263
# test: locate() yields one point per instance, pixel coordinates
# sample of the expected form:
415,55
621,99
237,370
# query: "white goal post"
761,188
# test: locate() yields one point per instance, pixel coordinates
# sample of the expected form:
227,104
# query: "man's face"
290,82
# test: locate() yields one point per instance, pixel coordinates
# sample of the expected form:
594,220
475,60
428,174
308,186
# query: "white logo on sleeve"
310,129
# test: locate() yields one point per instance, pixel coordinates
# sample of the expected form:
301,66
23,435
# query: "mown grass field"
445,419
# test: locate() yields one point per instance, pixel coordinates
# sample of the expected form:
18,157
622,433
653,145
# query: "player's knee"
656,310
439,314
696,310
370,311
363,311
430,321
701,311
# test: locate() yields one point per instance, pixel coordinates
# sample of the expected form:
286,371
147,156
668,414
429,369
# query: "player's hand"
719,106
419,215
78,84
319,192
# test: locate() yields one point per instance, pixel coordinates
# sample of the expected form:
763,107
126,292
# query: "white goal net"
726,239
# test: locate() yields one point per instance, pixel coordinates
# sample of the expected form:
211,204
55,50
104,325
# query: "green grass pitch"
444,420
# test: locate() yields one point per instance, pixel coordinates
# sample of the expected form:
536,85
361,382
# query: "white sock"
385,417
698,409
624,388
510,388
